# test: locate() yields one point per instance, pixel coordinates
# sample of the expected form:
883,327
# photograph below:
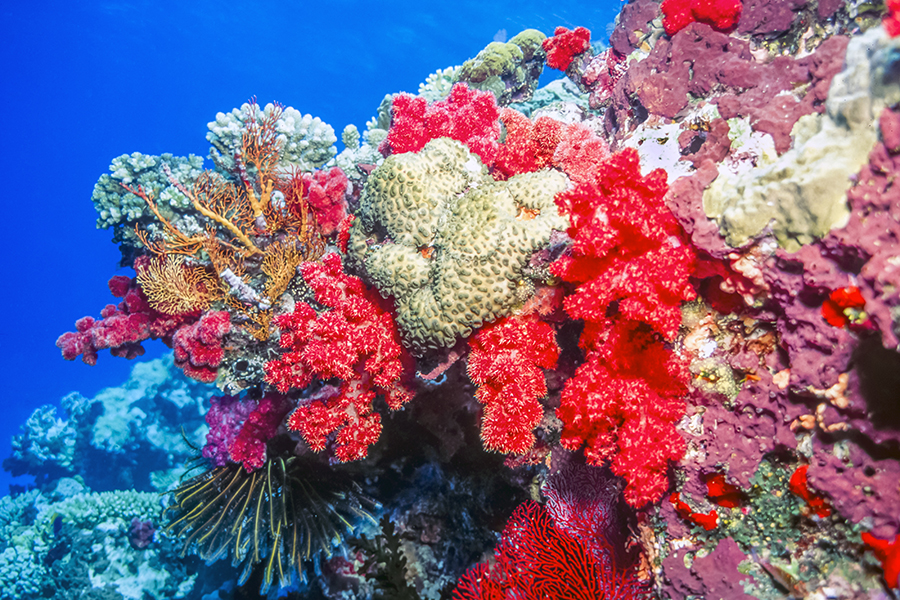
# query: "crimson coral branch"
353,340
505,362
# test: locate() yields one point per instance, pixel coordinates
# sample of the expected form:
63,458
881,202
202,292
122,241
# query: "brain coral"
448,242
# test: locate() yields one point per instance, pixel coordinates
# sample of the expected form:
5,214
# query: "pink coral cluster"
122,327
326,194
354,340
721,14
198,346
631,262
466,115
505,362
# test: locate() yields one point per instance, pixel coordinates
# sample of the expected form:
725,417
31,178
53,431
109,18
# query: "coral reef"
666,288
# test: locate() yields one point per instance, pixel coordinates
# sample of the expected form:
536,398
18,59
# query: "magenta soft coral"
198,347
122,327
466,115
354,340
505,362
631,263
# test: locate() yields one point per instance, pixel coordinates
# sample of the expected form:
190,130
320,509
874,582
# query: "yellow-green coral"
509,70
448,242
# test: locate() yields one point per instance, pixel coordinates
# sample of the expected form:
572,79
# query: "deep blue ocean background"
84,82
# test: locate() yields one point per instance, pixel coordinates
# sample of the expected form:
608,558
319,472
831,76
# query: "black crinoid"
292,510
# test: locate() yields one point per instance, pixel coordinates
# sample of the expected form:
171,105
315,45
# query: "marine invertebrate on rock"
466,115
510,70
631,263
354,340
505,362
449,243
289,511
888,552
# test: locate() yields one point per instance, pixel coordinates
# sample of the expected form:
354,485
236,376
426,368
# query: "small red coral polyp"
888,552
707,521
844,308
800,487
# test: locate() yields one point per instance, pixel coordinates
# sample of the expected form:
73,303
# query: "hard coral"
505,362
449,243
466,115
354,340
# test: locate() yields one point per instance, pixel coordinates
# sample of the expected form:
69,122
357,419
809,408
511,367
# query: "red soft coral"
536,560
326,193
631,263
466,115
505,362
800,486
720,14
249,446
565,45
580,153
528,146
354,340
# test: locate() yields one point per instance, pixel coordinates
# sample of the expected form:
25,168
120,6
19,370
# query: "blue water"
84,82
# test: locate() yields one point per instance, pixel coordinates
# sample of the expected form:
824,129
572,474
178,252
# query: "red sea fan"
536,560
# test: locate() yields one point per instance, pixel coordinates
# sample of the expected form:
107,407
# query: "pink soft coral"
354,340
122,327
505,362
466,115
631,263
198,347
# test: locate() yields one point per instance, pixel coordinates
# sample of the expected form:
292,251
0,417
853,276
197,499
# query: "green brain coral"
448,241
